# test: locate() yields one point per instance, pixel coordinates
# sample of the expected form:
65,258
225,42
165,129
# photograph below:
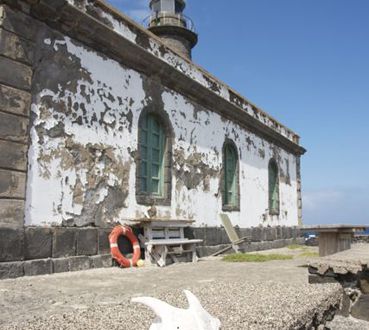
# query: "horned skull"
173,318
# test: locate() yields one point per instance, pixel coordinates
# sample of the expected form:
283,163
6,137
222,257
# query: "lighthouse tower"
168,22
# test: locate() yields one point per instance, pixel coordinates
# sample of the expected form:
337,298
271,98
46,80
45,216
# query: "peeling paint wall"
135,33
82,169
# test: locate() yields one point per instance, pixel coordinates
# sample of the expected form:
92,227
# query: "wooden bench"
164,239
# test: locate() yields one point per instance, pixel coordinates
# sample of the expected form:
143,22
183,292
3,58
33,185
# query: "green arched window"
230,177
152,141
273,188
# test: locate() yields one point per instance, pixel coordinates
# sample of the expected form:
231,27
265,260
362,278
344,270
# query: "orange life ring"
116,254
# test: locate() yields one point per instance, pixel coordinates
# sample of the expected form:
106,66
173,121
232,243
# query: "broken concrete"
350,268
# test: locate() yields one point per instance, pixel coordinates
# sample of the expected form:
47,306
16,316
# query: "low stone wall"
259,238
53,265
36,251
204,251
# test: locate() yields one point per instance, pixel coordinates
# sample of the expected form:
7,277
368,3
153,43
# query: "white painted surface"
52,183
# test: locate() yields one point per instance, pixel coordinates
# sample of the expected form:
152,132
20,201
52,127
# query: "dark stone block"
274,233
14,47
12,184
103,241
11,244
364,282
317,279
256,234
21,24
360,309
345,306
224,239
195,233
263,233
13,155
13,127
211,236
285,232
297,232
61,265
270,234
38,243
87,242
14,100
266,245
277,244
64,242
38,267
289,232
245,232
15,74
79,263
279,232
11,269
11,214
101,261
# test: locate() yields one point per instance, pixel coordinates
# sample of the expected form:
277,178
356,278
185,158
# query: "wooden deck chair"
232,235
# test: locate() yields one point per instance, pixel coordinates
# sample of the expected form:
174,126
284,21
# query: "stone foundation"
52,265
36,251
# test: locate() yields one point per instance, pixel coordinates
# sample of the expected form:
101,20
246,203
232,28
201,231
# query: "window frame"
165,172
275,191
226,205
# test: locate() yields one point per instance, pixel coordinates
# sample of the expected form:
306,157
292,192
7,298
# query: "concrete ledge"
50,266
38,267
11,270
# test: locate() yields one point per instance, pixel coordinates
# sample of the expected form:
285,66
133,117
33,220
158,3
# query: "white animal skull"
173,318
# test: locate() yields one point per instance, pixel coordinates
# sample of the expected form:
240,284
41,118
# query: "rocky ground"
272,295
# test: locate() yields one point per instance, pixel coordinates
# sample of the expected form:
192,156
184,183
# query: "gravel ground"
271,295
239,305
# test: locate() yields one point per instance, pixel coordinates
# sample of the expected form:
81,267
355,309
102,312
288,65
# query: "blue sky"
305,62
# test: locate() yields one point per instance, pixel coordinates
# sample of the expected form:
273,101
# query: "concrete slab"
272,295
350,261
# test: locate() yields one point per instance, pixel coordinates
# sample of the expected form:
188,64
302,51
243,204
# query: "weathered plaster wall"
82,170
137,34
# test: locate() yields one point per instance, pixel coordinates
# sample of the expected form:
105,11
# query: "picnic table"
165,238
334,238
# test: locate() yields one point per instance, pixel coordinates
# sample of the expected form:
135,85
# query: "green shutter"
230,197
152,146
273,188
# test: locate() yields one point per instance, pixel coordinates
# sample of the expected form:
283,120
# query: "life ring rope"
114,248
